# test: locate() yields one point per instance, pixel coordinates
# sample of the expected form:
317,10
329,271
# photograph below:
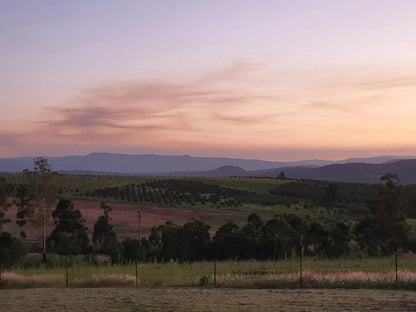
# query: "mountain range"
366,170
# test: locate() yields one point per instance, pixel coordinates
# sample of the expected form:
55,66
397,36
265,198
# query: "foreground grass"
202,299
344,273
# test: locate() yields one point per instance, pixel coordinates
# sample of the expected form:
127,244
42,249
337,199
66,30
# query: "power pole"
395,261
139,238
300,262
215,268
139,226
66,270
44,232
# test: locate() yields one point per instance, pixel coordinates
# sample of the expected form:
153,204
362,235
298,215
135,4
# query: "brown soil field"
202,299
124,217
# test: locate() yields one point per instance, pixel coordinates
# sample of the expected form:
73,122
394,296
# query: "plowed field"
200,299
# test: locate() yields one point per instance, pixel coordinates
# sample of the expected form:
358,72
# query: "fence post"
135,266
395,260
66,270
300,262
215,269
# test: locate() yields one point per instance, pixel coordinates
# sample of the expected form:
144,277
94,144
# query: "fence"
294,272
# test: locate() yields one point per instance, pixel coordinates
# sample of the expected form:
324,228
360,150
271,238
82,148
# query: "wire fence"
295,272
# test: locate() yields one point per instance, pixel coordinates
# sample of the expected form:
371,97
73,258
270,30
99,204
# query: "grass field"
200,299
340,273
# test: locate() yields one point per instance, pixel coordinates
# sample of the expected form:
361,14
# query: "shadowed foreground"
199,299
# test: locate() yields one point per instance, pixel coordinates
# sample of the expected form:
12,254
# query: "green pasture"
241,274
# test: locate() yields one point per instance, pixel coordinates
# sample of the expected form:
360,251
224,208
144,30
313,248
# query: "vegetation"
11,250
311,220
354,273
70,235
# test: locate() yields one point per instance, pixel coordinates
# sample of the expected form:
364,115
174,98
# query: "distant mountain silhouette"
158,165
227,171
144,164
135,164
354,172
351,172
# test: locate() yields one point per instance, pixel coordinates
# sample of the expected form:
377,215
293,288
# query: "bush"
11,249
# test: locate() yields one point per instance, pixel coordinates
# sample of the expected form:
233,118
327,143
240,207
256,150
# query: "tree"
104,237
3,203
129,249
43,191
386,229
250,236
11,250
227,241
281,176
70,235
393,227
331,193
196,234
24,207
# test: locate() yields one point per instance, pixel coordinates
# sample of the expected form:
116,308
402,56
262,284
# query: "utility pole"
395,260
139,226
139,238
215,268
66,270
300,262
44,232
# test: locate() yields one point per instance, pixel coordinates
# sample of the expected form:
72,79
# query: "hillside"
354,172
109,163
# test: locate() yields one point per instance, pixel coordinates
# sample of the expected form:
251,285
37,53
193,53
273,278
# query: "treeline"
378,228
283,236
382,231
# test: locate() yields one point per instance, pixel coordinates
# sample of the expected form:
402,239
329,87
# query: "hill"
150,164
141,164
350,172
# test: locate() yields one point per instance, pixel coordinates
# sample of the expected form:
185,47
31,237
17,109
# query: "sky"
273,80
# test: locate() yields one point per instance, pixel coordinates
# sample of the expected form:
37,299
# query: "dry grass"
112,280
318,273
406,280
12,280
351,280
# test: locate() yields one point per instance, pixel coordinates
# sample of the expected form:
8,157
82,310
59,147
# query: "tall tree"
70,234
386,229
44,189
104,238
11,249
24,193
3,203
393,227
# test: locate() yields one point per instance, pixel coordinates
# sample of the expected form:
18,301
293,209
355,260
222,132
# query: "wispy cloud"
241,107
329,106
162,108
397,82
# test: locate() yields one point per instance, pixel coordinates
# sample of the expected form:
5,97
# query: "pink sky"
277,80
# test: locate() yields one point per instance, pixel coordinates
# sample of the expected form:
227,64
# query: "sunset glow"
276,80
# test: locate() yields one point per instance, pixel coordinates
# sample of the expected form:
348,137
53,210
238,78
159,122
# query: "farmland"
212,200
259,195
197,299
124,217
188,222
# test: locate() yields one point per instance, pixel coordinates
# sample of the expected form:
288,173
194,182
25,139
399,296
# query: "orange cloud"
241,107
